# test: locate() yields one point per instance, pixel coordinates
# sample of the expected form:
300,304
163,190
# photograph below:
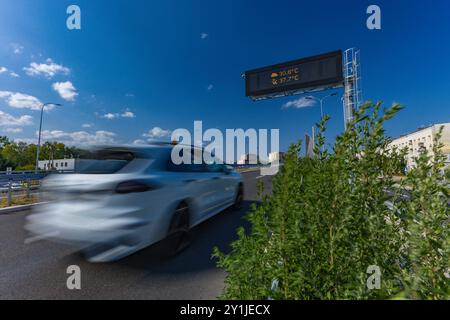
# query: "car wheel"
239,198
178,237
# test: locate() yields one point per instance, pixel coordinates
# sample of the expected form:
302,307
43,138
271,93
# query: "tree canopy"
22,156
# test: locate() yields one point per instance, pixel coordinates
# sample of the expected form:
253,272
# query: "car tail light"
134,186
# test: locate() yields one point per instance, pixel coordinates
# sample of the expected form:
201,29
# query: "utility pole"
321,101
40,130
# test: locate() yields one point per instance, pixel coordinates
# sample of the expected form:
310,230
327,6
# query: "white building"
248,159
423,139
276,156
57,164
80,165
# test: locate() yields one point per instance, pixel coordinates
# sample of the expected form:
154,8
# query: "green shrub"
27,167
329,218
447,174
428,237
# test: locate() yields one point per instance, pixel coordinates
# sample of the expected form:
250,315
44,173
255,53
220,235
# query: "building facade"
423,139
276,156
57,164
82,165
248,159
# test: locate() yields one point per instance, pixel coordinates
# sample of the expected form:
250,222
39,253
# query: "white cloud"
47,69
21,100
130,95
17,48
25,140
80,137
66,90
139,141
157,132
210,87
13,130
11,73
87,125
203,35
110,115
302,102
125,114
7,119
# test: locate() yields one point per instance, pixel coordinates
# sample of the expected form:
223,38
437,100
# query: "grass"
19,200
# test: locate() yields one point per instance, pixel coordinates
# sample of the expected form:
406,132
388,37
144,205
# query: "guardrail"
15,184
21,176
10,190
252,167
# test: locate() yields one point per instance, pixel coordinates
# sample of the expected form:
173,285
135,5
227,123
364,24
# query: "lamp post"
40,129
321,101
321,105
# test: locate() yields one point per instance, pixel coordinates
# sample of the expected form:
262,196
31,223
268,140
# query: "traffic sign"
315,72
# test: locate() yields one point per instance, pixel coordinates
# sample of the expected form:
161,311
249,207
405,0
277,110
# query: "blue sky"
137,65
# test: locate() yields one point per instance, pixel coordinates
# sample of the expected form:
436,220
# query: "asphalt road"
38,270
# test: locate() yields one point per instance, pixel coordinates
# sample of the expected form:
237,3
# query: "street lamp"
40,129
321,105
321,101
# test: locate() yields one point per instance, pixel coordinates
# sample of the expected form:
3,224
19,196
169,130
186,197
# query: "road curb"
248,170
18,208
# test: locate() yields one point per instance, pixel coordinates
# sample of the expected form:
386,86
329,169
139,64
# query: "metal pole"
321,109
9,200
39,140
28,188
352,78
40,130
321,115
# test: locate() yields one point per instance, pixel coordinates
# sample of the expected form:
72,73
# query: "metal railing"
19,184
22,175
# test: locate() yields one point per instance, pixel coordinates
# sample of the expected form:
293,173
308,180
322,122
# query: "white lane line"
40,237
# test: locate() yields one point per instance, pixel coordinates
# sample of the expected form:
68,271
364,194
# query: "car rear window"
103,161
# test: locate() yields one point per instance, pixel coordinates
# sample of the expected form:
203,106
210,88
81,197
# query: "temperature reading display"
285,76
312,72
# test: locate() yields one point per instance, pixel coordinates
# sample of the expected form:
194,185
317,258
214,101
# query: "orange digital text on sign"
284,76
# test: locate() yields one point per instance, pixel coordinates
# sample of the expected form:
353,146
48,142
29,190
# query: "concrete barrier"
18,208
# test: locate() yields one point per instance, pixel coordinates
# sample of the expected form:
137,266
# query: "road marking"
40,237
101,257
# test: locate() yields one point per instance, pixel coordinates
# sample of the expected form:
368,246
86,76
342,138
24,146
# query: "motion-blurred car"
5,186
130,197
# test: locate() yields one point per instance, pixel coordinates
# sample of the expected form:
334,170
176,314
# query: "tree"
4,140
22,156
17,154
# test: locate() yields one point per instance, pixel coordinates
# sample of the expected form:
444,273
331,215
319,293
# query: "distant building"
423,139
57,164
248,159
78,165
309,150
276,156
